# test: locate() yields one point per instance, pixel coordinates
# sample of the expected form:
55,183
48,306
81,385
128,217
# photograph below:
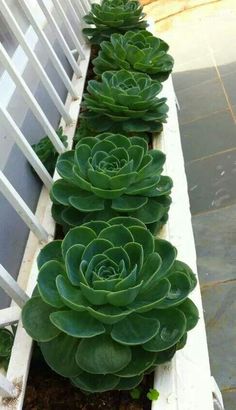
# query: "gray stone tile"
229,398
219,304
229,82
215,239
208,136
194,72
212,182
201,100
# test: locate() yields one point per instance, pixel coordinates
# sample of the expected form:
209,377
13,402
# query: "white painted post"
9,316
8,16
30,99
11,287
48,49
22,209
60,38
69,28
7,389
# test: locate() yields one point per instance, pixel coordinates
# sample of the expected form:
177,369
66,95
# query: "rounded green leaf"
118,235
60,355
73,261
144,238
135,330
81,235
172,328
128,383
77,324
71,295
102,355
51,251
140,362
179,290
47,282
35,317
6,342
108,314
191,313
127,203
95,383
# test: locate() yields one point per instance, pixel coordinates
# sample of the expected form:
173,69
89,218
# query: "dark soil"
47,390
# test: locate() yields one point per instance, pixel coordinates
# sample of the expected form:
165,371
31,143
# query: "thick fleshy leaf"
179,290
118,235
35,317
124,297
109,314
172,328
60,353
191,313
96,246
51,251
95,383
167,253
88,203
135,330
82,235
127,203
47,282
140,362
73,261
77,324
128,383
102,355
71,295
144,238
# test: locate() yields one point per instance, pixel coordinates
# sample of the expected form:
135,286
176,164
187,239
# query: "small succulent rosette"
113,16
111,175
135,51
111,304
125,101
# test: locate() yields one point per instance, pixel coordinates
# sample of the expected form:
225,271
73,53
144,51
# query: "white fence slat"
8,16
9,316
65,7
31,101
22,209
7,389
14,131
48,49
79,7
77,19
69,28
86,5
11,287
60,37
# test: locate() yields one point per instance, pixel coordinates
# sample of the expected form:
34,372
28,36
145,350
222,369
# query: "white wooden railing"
186,383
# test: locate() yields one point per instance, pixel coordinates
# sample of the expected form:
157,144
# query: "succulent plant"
135,51
6,343
125,101
111,175
111,303
46,151
113,16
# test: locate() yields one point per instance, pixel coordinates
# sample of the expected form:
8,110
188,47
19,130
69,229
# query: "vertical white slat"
49,49
8,16
13,130
79,7
30,99
86,5
7,389
9,316
78,34
22,209
69,28
77,19
11,287
62,42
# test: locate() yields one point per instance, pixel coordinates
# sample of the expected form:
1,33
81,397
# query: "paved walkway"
203,43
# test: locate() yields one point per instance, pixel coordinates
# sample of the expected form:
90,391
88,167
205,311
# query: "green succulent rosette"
113,16
47,152
135,51
111,303
111,175
125,101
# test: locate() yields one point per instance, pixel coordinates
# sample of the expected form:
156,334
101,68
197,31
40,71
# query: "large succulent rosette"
111,175
111,303
135,51
125,101
113,16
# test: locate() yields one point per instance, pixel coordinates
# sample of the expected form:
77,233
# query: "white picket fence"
186,383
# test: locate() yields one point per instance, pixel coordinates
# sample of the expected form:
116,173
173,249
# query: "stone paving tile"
229,82
229,398
215,239
196,102
212,182
208,136
194,72
219,308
